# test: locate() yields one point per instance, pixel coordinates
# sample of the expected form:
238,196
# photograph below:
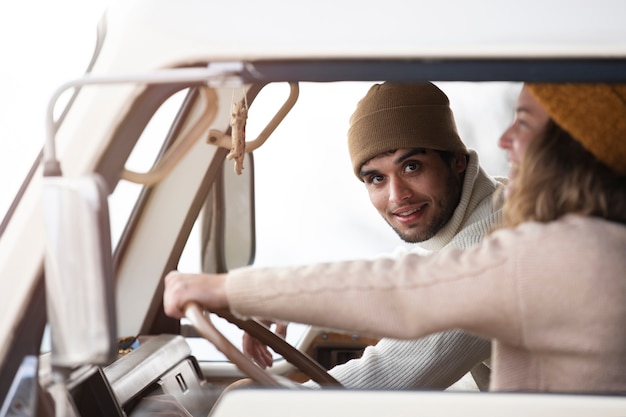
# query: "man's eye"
411,167
374,179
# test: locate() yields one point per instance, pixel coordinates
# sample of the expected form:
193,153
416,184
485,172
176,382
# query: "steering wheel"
201,321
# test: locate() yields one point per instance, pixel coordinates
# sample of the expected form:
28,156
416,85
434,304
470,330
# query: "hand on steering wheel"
259,351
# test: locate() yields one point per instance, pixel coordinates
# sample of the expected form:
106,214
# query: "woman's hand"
208,290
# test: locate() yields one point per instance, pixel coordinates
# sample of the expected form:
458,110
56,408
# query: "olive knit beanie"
594,114
394,116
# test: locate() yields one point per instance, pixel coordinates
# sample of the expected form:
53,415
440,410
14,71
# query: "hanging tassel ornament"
239,116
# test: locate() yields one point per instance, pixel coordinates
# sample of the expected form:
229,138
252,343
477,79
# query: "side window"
142,158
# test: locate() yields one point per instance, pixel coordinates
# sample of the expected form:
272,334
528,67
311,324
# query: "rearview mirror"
228,219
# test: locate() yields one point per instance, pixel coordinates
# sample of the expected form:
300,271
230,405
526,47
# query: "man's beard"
445,210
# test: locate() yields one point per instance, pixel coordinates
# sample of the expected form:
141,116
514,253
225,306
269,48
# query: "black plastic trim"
470,69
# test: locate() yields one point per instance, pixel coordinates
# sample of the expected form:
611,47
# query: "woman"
549,288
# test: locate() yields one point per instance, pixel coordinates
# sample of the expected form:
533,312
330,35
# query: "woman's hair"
558,176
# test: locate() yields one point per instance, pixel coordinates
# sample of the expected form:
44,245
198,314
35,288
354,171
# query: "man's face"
414,190
530,123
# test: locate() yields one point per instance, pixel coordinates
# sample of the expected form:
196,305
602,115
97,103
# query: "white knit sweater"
442,359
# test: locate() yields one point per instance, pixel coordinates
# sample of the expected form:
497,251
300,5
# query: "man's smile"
410,214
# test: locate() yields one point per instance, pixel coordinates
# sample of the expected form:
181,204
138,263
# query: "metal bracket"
225,74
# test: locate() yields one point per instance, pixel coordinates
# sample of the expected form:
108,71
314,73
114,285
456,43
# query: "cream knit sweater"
551,296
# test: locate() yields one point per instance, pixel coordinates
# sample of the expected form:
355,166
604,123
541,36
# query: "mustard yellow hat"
395,115
594,114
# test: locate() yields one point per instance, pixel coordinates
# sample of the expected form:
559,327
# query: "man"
430,189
